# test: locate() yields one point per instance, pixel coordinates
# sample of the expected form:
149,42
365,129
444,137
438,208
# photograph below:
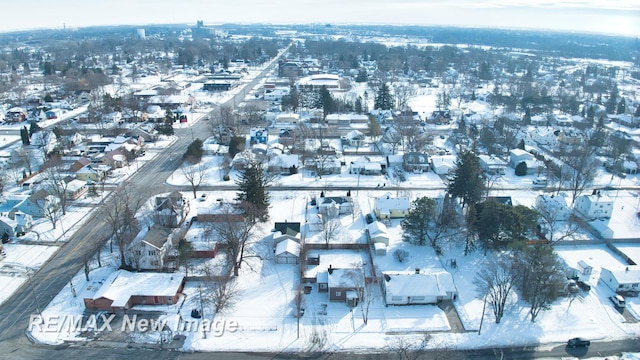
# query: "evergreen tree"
539,277
622,107
24,135
166,128
34,128
252,192
527,116
194,152
521,169
418,221
610,106
637,114
358,105
236,145
384,99
468,180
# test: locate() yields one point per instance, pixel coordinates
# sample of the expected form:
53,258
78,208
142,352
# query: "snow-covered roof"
408,283
345,278
121,285
288,246
387,203
626,275
377,228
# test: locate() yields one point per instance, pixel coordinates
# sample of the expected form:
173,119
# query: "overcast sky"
602,16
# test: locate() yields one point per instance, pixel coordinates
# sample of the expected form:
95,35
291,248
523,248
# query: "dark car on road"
578,342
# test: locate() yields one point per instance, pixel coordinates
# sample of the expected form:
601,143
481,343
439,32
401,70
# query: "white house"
554,205
419,287
544,136
287,118
622,279
152,252
594,206
443,164
492,165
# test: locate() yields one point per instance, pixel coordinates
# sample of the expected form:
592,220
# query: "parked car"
578,342
583,285
618,301
541,181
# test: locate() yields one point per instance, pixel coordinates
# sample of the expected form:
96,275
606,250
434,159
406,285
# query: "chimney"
330,270
417,270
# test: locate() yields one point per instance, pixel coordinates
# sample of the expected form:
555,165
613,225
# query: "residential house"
594,206
387,207
625,280
443,164
8,227
554,205
287,118
287,227
171,210
284,164
122,290
90,174
334,205
79,164
258,135
275,94
354,138
418,287
545,136
219,211
39,204
324,166
341,284
152,252
241,159
492,165
115,159
416,162
278,237
75,189
366,166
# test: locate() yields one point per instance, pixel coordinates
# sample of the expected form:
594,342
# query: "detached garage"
287,252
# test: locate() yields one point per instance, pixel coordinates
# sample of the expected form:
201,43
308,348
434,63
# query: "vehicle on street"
578,342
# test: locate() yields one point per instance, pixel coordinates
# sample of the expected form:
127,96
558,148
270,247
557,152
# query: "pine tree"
418,221
194,152
253,183
622,107
383,100
468,180
24,135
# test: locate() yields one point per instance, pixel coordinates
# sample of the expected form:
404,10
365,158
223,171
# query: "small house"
387,207
75,189
122,290
171,210
419,287
443,164
622,279
342,284
416,162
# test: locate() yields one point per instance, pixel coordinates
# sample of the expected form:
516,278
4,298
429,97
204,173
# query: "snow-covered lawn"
19,261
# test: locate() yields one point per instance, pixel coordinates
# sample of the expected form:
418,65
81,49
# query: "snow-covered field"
20,260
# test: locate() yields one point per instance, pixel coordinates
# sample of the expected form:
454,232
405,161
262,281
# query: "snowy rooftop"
121,285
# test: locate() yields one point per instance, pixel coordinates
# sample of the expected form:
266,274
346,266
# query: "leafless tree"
551,215
224,294
580,167
494,283
403,92
330,230
57,183
120,215
48,205
195,175
236,228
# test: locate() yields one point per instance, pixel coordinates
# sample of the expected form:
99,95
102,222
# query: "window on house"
169,300
323,286
634,285
152,252
418,298
338,293
396,298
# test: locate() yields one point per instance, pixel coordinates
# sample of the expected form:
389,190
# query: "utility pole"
204,332
484,306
